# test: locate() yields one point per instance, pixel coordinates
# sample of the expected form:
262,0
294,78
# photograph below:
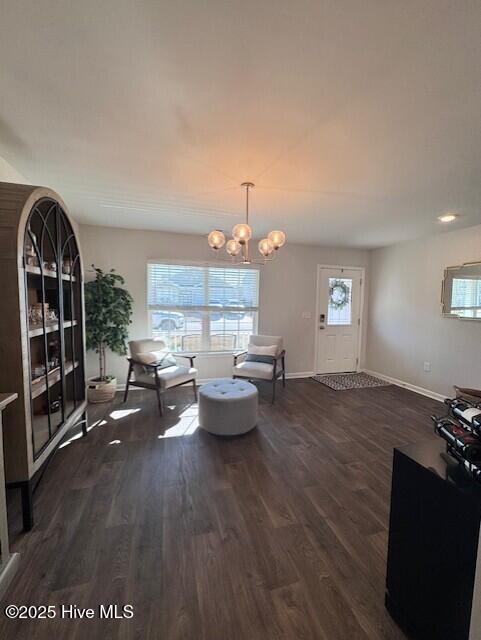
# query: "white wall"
405,326
287,287
10,174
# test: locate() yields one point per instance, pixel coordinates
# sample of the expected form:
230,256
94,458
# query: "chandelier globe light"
277,239
238,245
265,247
233,247
242,233
216,239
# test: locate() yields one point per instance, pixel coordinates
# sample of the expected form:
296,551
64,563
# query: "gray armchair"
254,366
154,368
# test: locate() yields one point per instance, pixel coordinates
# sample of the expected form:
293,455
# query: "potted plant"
108,309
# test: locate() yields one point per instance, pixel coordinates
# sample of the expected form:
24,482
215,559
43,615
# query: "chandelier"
238,246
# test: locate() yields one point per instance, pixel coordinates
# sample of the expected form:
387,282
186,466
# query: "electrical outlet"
427,366
306,315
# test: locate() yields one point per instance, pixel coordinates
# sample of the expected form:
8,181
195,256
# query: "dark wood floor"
277,534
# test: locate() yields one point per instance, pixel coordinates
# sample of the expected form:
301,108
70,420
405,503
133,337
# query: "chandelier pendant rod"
245,247
247,222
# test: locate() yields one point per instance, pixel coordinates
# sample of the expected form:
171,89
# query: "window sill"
205,354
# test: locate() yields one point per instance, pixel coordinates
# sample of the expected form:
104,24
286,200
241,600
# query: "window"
339,310
202,308
466,297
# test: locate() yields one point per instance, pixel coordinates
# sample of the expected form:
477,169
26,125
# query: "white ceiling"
360,120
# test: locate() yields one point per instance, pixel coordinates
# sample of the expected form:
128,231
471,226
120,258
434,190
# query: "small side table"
8,561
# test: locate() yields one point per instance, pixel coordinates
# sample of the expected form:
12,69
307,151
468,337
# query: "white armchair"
153,367
265,359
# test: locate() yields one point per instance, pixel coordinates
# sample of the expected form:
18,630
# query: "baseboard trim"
9,570
121,387
308,374
299,374
289,376
406,385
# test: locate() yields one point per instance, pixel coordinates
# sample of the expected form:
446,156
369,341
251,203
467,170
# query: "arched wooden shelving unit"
42,338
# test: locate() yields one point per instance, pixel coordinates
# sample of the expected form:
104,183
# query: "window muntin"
202,308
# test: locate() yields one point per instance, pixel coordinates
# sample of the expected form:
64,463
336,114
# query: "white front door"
338,319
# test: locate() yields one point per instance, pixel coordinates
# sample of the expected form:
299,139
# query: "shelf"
40,429
35,330
47,273
39,385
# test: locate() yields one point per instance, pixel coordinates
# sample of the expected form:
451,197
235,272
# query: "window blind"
172,285
466,296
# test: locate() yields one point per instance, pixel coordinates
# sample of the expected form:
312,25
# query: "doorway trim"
362,271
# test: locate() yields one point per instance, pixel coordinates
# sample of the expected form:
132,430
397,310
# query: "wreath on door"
338,294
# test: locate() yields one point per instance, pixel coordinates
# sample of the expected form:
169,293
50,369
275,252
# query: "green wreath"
338,294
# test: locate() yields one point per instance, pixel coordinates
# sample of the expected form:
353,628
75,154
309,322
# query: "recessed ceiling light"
448,217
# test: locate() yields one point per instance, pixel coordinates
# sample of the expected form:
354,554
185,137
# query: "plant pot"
101,390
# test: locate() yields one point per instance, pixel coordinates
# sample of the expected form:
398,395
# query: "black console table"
433,585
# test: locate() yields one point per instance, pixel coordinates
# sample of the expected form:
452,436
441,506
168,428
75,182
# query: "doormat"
345,381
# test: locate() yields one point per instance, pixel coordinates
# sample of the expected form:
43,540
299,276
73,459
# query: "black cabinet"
433,545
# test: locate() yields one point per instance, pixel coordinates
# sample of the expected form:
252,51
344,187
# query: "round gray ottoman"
228,407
